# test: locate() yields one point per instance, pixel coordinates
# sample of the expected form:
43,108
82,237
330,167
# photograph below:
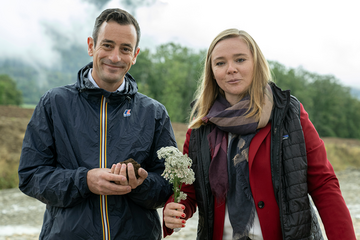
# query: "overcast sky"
322,36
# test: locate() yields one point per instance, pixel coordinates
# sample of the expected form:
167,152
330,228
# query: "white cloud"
24,33
320,35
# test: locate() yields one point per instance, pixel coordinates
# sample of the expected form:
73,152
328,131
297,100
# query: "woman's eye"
219,63
240,60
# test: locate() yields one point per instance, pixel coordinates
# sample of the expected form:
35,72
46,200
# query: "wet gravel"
21,216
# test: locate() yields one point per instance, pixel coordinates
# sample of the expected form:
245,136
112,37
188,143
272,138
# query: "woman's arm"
323,185
183,210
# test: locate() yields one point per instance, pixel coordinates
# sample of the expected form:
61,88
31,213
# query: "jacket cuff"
81,177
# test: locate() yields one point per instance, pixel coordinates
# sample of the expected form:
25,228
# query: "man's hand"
120,170
102,182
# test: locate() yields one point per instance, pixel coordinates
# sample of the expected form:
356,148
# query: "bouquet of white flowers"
177,170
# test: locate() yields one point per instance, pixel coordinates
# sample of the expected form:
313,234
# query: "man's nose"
115,56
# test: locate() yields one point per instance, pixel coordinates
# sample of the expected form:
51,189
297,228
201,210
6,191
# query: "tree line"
170,74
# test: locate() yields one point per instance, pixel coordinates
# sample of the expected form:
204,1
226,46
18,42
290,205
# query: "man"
79,132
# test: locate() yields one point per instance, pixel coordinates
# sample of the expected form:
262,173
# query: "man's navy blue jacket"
78,127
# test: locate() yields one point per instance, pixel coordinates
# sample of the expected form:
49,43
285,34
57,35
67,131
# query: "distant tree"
142,71
332,108
332,114
28,79
9,94
355,92
170,75
294,80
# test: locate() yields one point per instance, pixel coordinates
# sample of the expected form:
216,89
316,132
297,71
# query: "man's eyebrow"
107,41
113,42
127,45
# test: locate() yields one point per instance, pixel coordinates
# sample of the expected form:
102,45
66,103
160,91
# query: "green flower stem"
176,189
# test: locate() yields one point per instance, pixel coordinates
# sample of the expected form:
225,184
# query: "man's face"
113,55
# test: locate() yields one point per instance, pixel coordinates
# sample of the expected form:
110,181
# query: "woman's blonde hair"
208,90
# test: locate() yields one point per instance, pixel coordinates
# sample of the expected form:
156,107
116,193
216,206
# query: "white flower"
182,196
177,170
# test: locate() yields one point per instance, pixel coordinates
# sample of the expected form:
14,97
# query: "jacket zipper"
278,136
103,164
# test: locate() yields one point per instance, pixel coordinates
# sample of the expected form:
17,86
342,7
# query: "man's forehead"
114,32
121,27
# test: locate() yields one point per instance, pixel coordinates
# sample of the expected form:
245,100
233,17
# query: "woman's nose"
231,69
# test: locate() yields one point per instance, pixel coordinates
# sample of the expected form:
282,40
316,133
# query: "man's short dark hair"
118,15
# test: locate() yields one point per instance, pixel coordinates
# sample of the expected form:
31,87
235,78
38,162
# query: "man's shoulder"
66,89
148,100
62,93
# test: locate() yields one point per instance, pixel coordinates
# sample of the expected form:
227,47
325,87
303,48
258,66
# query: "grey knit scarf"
230,178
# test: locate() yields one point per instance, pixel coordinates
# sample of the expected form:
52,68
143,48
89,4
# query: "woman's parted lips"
233,80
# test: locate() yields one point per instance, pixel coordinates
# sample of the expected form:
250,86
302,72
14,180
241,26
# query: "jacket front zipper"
103,164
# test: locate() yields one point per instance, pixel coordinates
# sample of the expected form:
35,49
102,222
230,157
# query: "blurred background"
312,48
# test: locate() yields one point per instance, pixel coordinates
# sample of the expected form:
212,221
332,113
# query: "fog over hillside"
323,42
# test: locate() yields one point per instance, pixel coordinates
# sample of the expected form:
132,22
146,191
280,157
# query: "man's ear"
90,43
135,55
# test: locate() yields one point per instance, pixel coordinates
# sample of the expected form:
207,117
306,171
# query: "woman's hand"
173,215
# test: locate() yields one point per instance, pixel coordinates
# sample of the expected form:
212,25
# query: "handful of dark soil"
136,167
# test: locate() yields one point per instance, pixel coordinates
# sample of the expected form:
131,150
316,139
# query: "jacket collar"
83,84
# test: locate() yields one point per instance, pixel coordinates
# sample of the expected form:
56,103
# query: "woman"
256,156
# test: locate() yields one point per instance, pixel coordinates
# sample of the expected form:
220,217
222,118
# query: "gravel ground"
21,216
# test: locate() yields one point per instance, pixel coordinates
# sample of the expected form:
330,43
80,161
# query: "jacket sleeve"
323,185
190,202
40,176
155,190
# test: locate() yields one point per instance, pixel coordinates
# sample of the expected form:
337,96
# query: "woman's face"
232,65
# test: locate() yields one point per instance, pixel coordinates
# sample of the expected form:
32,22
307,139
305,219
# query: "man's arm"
155,190
41,176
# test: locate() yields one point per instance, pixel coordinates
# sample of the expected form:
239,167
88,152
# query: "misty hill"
170,75
34,79
355,92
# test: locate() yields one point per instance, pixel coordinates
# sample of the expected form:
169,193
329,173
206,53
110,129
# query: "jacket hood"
83,84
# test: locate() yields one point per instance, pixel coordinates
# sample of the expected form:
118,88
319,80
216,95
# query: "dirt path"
21,216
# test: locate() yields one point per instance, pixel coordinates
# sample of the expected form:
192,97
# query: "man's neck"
108,87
